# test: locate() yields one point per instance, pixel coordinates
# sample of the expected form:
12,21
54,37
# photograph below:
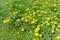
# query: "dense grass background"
13,29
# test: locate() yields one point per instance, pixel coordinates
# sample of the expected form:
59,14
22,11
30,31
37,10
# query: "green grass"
19,19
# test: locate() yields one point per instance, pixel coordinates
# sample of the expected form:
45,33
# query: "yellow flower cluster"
34,21
6,21
37,31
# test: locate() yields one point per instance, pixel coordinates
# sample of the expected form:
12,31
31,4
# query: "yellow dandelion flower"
59,10
55,9
57,29
22,18
54,16
39,14
34,7
37,29
59,26
46,21
52,31
14,13
36,20
36,34
55,4
27,9
38,26
40,35
55,22
6,21
17,32
45,12
48,18
28,16
18,20
26,20
20,4
51,12
43,5
43,23
58,37
59,4
38,11
22,29
34,13
33,22
48,24
18,10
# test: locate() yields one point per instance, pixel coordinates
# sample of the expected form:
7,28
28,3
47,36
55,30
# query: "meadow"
29,19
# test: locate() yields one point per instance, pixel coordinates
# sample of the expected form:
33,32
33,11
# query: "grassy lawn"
29,19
